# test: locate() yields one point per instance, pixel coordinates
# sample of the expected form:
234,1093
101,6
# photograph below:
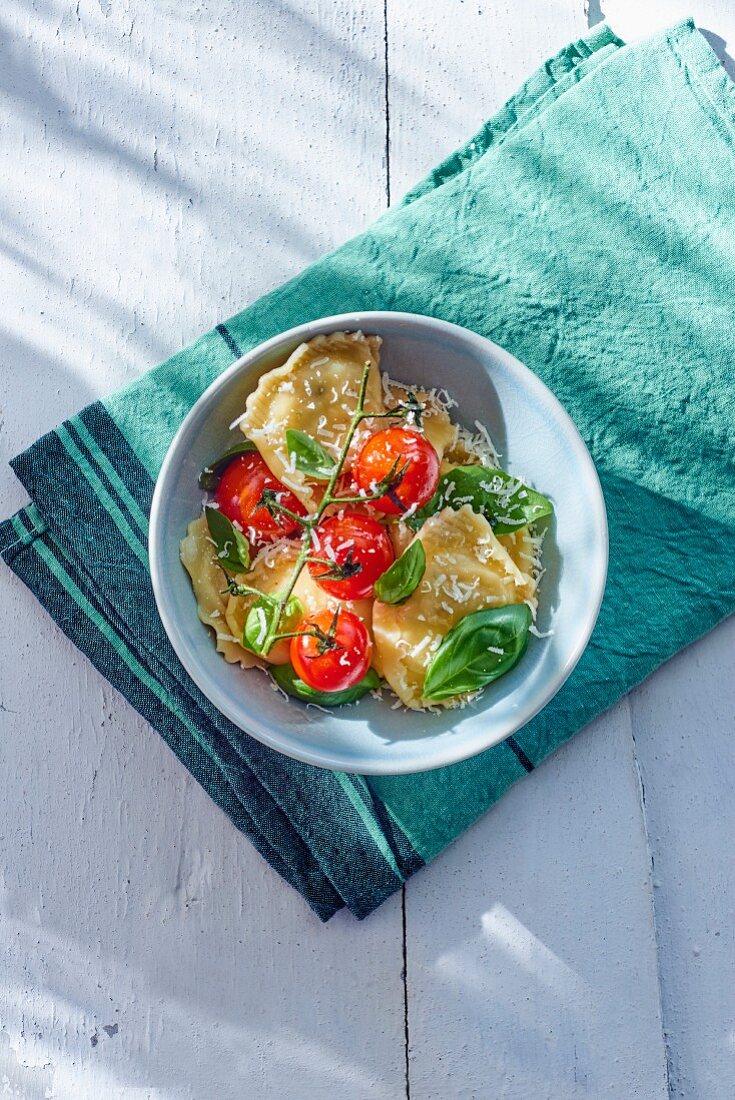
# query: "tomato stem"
305,521
269,500
358,498
296,634
236,589
326,640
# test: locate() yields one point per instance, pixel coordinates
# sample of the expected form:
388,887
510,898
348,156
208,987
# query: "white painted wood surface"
162,164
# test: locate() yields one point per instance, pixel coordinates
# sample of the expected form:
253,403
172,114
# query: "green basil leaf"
210,475
309,456
260,619
504,500
286,678
232,546
477,650
403,576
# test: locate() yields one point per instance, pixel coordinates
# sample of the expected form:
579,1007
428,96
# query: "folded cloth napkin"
589,228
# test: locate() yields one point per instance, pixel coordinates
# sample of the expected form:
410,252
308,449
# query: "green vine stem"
308,528
309,523
235,589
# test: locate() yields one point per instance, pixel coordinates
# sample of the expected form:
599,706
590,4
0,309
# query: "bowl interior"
537,441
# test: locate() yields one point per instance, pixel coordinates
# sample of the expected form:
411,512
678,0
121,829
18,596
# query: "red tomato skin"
227,493
370,545
338,668
239,491
376,460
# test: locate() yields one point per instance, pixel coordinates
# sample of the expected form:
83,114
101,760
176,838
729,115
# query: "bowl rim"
367,320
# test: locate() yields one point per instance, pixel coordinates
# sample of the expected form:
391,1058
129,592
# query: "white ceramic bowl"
537,441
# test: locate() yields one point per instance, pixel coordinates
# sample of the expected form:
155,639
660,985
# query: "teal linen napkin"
590,229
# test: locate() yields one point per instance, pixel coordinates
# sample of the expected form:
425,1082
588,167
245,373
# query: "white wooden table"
161,165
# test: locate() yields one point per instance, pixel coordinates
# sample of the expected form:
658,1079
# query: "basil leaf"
260,618
286,678
403,576
477,650
210,475
309,456
232,546
504,500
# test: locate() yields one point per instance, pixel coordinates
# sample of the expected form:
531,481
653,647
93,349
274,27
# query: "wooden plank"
452,65
161,166
683,723
529,935
531,949
146,945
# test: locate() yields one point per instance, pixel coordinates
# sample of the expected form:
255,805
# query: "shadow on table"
719,45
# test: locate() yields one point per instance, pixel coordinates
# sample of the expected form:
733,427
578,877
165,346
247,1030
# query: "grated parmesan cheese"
540,633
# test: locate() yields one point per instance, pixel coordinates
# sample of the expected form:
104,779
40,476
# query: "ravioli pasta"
200,560
436,422
314,392
524,549
468,568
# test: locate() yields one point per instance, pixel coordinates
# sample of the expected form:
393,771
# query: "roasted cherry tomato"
353,551
336,655
240,490
406,459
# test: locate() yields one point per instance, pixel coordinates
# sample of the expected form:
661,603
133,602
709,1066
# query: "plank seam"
404,976
404,934
387,102
651,866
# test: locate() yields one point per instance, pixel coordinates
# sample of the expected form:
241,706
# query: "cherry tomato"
239,491
337,655
407,457
354,551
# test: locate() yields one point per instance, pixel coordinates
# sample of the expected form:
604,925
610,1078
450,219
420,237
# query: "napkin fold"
589,228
